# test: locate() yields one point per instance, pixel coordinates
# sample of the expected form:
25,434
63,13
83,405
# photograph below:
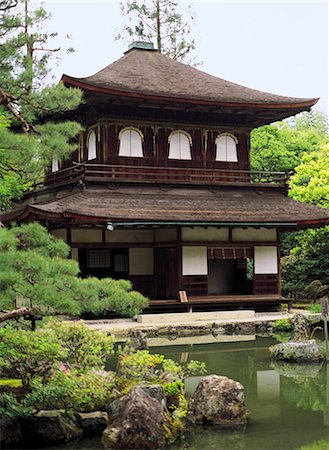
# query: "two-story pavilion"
160,190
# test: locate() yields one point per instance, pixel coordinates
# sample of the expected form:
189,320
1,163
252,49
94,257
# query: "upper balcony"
110,173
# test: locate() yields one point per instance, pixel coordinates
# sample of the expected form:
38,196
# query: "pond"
288,406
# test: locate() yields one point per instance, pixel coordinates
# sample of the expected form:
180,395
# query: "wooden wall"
156,147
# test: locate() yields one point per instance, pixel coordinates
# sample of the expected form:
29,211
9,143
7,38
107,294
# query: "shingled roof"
126,204
148,73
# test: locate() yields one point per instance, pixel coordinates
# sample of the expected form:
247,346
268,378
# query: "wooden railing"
160,175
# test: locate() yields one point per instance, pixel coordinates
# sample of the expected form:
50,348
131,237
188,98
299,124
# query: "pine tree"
27,142
161,22
36,278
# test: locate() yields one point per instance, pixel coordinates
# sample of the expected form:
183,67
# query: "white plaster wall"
195,261
204,234
141,261
60,233
266,260
165,235
92,236
129,236
75,254
252,234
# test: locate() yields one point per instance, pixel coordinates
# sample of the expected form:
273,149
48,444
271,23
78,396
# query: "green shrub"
283,325
10,407
316,307
85,348
73,391
28,354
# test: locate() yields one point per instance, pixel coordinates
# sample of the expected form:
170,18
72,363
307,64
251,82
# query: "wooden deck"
217,302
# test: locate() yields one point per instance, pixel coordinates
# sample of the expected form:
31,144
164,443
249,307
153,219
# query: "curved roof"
148,204
148,73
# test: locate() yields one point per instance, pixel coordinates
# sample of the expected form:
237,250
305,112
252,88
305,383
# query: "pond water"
288,406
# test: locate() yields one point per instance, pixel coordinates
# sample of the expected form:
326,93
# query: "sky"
274,46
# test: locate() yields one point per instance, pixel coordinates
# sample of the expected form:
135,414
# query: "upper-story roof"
148,74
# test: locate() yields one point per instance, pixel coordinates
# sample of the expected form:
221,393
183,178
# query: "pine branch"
20,312
7,100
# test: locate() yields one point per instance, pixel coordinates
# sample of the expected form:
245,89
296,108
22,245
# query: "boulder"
49,426
138,424
138,340
155,391
10,431
93,422
298,352
220,401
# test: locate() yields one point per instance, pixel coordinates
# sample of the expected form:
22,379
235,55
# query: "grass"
10,382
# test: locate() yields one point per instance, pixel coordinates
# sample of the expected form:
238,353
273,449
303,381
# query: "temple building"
160,190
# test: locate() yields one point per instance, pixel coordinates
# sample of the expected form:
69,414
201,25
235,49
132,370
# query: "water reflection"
288,405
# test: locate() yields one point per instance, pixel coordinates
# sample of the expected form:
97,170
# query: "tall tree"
281,146
306,265
27,144
161,22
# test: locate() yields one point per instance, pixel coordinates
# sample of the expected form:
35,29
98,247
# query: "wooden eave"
69,81
151,207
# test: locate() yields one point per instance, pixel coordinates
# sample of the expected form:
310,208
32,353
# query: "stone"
138,340
297,351
49,426
10,431
138,424
93,422
220,401
301,327
155,391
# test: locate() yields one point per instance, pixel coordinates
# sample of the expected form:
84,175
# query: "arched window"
131,142
180,144
91,145
54,165
226,148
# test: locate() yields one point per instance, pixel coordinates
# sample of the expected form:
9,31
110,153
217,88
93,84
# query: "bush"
28,354
283,325
134,367
11,408
316,307
85,348
73,391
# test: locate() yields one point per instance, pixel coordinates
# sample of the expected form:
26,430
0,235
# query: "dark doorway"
102,263
228,276
166,269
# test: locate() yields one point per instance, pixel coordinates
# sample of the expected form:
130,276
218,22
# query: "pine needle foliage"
35,273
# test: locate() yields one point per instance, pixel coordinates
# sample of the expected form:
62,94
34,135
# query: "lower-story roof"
135,206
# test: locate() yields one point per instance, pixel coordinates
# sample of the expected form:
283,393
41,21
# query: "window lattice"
98,258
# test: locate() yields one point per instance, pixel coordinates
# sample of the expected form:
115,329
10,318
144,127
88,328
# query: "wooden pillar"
180,256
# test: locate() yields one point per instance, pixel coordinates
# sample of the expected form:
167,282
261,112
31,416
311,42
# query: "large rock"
299,352
49,426
93,422
10,431
138,424
219,400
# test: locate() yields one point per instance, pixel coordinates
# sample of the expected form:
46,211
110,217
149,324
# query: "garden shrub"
85,348
27,355
73,391
283,325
